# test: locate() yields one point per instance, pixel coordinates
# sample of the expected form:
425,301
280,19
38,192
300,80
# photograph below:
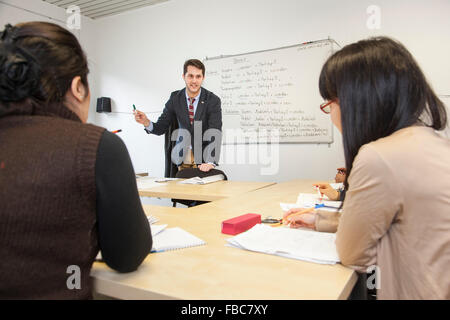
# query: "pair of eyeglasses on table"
278,222
272,221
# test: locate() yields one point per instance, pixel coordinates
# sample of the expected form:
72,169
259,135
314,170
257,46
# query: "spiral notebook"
173,239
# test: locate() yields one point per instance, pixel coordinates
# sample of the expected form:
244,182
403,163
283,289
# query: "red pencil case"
240,224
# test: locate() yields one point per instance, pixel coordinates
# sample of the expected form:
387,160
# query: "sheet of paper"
309,200
152,219
298,244
157,228
148,183
211,179
337,186
288,206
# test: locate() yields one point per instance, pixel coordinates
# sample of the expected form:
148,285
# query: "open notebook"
205,180
312,246
173,239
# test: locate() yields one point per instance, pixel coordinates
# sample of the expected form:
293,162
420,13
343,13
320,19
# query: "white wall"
140,56
13,12
137,57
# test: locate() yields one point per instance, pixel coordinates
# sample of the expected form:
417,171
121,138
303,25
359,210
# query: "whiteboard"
273,95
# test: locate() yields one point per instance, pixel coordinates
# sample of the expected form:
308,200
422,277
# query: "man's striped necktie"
191,110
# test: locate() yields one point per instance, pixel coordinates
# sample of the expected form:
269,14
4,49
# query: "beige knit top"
396,214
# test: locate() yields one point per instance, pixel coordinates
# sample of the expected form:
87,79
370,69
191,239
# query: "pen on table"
321,205
117,131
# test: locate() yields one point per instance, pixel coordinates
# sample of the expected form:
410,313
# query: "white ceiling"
101,8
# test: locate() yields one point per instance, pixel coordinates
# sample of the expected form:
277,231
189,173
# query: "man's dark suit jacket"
176,115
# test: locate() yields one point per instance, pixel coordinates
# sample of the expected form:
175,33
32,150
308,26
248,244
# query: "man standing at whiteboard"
196,115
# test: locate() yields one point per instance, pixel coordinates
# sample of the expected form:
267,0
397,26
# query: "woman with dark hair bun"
396,213
68,188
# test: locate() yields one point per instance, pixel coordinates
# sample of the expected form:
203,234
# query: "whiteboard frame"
274,49
279,48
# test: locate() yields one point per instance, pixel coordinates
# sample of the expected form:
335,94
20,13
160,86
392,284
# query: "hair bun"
19,75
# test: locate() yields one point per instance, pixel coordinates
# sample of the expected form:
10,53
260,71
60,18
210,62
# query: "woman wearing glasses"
396,214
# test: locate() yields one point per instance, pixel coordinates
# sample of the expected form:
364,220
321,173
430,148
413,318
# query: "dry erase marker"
117,131
134,107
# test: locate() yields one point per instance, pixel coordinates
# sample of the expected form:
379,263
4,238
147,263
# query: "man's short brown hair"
195,63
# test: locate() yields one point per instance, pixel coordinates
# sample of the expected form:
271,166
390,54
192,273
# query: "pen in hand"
320,193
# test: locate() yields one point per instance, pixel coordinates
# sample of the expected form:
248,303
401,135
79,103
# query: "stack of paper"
205,180
312,246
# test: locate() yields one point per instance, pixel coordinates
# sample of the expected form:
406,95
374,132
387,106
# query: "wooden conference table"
215,271
208,192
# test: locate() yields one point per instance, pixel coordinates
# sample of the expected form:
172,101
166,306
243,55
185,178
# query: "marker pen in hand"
117,131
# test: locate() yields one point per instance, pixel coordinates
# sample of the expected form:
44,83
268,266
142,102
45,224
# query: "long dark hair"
38,61
380,89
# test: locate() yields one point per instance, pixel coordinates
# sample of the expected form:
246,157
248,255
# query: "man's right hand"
141,118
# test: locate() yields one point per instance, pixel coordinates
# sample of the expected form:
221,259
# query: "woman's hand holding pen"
141,118
326,189
300,217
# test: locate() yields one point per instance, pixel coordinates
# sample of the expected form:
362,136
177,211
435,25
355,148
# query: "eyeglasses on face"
326,107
